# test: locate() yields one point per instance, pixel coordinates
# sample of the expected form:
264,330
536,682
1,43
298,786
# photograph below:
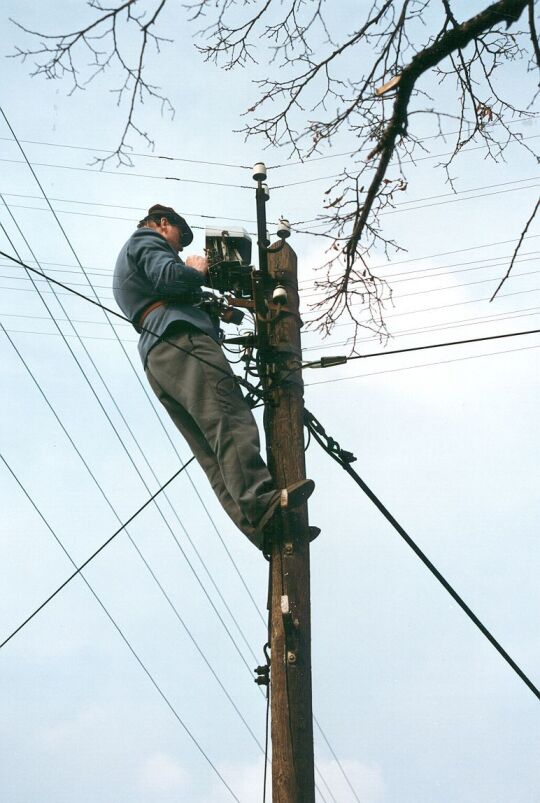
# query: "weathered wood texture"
292,725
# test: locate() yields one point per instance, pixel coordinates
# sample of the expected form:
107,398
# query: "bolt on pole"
278,337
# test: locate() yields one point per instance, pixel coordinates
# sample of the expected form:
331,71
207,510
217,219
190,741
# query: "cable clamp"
327,362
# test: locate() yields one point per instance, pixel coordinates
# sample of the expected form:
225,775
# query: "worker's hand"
198,263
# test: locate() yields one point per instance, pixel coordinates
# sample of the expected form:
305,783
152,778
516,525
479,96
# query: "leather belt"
146,312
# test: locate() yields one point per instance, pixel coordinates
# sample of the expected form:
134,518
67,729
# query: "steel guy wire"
55,281
132,461
368,149
234,186
332,448
401,208
336,759
132,541
123,206
112,620
450,195
397,296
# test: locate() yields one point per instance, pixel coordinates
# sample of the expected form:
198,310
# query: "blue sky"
416,704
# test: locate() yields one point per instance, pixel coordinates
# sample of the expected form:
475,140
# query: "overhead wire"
421,365
189,563
450,195
129,174
113,621
391,263
145,391
399,334
132,461
428,309
289,163
402,161
92,301
139,551
94,270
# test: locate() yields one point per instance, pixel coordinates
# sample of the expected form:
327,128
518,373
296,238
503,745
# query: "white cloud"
161,773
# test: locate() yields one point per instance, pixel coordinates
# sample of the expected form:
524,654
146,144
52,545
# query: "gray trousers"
208,408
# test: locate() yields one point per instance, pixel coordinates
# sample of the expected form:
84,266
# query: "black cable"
463,323
96,553
421,365
133,543
119,315
317,363
319,294
304,284
114,622
129,173
130,457
333,449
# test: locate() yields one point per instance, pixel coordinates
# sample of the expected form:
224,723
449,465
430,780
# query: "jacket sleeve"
165,273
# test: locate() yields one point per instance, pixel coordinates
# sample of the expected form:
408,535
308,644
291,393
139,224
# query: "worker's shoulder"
147,237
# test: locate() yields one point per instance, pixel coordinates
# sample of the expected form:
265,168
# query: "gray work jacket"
149,270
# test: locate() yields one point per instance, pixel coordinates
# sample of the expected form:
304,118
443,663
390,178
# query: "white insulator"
284,229
279,296
266,191
259,172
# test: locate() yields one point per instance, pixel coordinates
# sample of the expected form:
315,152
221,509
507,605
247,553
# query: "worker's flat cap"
175,219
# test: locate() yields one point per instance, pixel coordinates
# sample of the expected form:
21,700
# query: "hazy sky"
417,705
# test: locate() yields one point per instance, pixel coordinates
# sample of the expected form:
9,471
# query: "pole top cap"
259,172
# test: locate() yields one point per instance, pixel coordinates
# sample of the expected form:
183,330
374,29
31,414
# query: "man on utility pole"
185,365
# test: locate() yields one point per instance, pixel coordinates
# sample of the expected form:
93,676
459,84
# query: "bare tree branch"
58,52
518,246
312,94
534,35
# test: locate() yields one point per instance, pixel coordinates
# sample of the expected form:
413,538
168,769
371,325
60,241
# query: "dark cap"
158,210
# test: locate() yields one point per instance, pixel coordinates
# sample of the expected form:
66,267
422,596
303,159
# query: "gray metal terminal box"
228,251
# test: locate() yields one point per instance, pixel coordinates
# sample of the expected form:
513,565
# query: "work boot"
292,496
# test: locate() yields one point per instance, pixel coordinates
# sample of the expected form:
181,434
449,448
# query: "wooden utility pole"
290,638
275,294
